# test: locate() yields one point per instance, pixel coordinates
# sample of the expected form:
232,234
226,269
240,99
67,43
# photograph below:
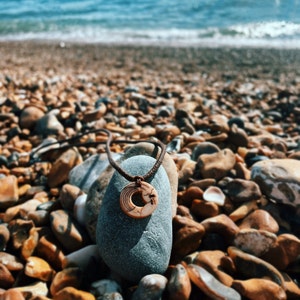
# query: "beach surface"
241,104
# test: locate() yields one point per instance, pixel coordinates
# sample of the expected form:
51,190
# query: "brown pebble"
212,262
70,234
68,195
260,219
210,285
187,236
287,247
250,266
4,236
215,165
11,262
204,209
69,277
7,279
30,243
179,285
9,193
29,116
62,166
243,210
49,249
189,195
70,293
253,241
38,288
12,294
259,289
221,225
19,230
37,267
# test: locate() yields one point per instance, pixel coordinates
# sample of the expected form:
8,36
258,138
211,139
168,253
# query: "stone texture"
134,248
66,229
279,179
179,286
204,209
8,191
150,287
62,166
215,165
12,294
210,285
36,289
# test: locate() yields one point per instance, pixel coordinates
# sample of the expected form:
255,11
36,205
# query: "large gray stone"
98,188
133,248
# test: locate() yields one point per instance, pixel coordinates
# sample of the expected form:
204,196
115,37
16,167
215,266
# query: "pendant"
148,195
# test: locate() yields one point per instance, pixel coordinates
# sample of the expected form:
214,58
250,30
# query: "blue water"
266,23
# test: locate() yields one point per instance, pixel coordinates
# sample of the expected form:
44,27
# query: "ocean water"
258,23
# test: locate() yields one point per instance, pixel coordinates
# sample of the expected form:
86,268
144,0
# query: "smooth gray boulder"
133,248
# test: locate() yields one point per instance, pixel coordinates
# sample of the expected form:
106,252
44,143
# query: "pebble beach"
230,120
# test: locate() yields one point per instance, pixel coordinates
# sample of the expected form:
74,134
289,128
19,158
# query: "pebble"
215,195
62,166
8,191
68,277
4,236
105,287
213,262
68,195
187,236
11,262
130,247
48,125
250,266
29,117
256,288
150,287
260,219
279,180
7,279
179,285
240,190
256,242
36,289
70,293
215,165
12,294
38,268
210,285
70,234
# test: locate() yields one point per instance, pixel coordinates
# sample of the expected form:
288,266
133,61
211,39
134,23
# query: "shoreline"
257,62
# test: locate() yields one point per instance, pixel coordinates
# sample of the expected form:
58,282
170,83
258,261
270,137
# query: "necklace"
138,185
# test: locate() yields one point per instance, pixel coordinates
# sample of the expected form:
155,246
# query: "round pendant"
148,195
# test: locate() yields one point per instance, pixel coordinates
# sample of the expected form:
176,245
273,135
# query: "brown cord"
108,142
129,177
